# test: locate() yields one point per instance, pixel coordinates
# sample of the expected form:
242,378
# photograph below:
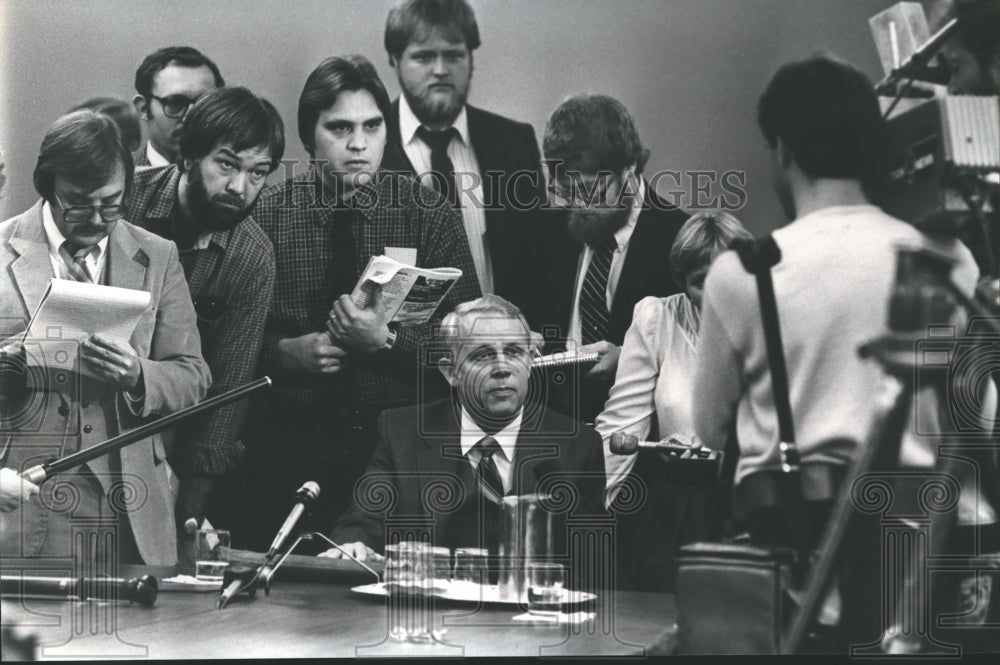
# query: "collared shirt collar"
154,157
624,234
408,123
472,433
55,238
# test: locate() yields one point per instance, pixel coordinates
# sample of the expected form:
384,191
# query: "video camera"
943,154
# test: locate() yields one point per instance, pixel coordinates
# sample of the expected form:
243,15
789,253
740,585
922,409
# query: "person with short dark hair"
973,53
167,83
77,231
230,142
487,437
832,285
121,112
435,133
336,365
600,249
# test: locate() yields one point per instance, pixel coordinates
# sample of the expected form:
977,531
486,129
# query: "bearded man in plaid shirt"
230,142
336,366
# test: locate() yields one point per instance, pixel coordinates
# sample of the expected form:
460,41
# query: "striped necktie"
594,312
75,259
486,471
441,164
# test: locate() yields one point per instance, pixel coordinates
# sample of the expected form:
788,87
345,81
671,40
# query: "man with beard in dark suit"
603,245
486,165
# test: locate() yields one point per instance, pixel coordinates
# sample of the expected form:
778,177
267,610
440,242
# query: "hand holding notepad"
76,311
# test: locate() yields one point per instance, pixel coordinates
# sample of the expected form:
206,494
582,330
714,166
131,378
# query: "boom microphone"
303,498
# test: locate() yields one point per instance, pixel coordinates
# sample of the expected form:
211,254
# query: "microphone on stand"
306,495
235,579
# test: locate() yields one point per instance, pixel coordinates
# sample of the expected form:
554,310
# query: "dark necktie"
594,313
75,259
441,165
486,471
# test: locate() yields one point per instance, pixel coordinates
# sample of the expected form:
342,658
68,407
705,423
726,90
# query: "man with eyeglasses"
168,82
231,141
602,247
79,395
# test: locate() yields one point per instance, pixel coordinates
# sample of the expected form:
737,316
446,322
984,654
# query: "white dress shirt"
655,376
622,238
468,179
95,260
507,438
155,158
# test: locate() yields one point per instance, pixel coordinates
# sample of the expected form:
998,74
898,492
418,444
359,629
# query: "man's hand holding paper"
113,361
363,329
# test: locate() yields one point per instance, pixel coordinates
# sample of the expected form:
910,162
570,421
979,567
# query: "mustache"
229,199
90,228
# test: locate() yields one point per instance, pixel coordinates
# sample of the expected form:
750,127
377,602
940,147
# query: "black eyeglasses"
174,106
78,214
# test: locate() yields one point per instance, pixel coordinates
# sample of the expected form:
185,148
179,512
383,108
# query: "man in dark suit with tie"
167,83
487,441
497,181
602,246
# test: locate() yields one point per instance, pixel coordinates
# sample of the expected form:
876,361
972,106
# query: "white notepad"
71,311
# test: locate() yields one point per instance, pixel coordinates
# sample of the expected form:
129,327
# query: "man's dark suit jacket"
504,148
555,256
418,471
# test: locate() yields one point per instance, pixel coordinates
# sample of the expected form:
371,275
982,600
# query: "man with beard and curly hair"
231,141
601,247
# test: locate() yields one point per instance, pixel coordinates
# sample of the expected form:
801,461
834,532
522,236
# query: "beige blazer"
68,411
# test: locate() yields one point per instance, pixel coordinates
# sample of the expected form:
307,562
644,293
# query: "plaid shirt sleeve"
211,445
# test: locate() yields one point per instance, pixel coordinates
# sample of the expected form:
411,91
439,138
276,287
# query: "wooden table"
321,618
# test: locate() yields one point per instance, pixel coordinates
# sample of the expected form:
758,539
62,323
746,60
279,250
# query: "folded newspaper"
410,294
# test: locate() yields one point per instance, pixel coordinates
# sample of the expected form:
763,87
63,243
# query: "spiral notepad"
565,358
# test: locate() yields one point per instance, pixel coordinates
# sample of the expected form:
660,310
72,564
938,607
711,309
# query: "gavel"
142,590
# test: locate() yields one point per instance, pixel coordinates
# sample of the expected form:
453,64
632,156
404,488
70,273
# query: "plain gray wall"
690,71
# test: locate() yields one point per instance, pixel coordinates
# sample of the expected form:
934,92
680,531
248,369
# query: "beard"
212,211
592,227
431,110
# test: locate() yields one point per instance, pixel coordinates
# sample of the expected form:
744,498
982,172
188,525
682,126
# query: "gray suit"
66,411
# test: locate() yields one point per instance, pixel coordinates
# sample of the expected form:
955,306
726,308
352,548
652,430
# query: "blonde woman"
652,399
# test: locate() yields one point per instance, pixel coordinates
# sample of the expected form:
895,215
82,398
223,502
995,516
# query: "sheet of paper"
73,311
406,255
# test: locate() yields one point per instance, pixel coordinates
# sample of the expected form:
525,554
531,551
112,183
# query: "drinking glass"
546,588
211,554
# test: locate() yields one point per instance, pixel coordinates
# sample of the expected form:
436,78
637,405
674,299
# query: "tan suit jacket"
66,411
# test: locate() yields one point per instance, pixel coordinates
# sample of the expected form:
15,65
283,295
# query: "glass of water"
211,550
546,588
470,566
408,580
